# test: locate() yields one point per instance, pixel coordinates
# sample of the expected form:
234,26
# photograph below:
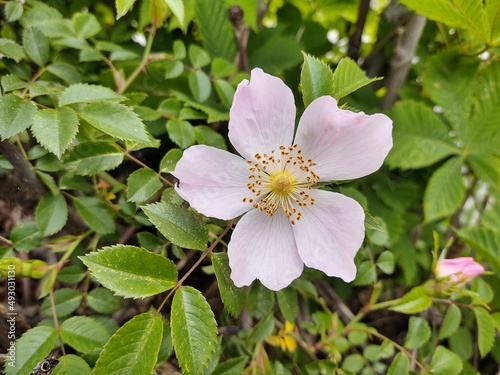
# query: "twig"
355,39
401,58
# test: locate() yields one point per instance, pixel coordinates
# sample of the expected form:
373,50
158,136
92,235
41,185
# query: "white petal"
330,233
213,181
263,247
262,116
344,144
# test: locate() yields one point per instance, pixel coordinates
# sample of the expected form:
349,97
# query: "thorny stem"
203,256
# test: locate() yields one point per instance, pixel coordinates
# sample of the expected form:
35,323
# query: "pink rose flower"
458,270
287,221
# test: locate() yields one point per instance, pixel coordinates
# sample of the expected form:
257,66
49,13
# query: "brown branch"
28,184
401,58
355,39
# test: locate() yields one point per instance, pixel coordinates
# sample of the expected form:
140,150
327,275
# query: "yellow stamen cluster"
281,179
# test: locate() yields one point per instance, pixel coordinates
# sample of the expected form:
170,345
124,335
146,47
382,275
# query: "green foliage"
180,226
133,348
131,271
99,100
194,343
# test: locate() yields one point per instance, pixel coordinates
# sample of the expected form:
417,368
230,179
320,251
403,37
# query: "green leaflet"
445,191
142,185
348,77
485,330
232,296
445,362
194,343
36,45
90,158
51,214
32,347
418,333
215,29
84,333
133,349
180,226
70,364
131,271
55,128
420,137
15,115
316,79
95,213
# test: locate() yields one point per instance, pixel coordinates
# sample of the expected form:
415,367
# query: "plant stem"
203,256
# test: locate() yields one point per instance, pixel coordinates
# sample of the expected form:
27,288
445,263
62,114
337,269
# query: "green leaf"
194,330
316,79
198,56
232,296
11,49
482,131
90,158
84,333
420,137
288,302
233,366
12,82
117,120
366,273
181,132
485,330
169,161
222,68
133,349
101,300
486,167
262,329
466,14
353,363
86,25
200,85
51,214
260,300
122,7
485,241
36,45
450,79
445,362
274,52
66,301
215,29
416,300
451,322
418,333
13,11
131,271
177,8
32,347
400,365
385,262
180,226
95,213
349,77
207,136
224,91
70,364
25,237
142,185
55,128
68,73
15,115
85,93
445,191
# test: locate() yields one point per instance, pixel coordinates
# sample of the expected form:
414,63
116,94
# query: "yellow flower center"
281,180
282,183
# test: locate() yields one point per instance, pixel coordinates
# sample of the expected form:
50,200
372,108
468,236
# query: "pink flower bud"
459,270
